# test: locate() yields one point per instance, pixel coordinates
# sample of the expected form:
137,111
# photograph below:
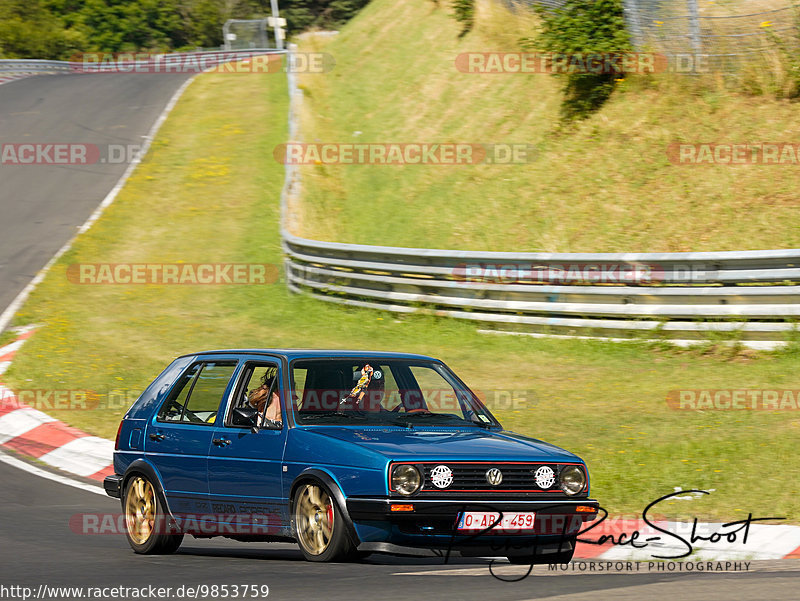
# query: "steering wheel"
193,417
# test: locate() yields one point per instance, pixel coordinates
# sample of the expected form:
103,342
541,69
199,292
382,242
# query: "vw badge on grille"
441,476
545,477
494,476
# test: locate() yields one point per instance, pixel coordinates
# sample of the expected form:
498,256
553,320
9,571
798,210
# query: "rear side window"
198,393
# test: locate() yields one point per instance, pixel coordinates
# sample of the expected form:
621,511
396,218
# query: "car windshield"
383,392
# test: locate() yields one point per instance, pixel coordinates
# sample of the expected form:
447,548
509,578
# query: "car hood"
447,445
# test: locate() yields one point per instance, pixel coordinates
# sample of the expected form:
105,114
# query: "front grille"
469,477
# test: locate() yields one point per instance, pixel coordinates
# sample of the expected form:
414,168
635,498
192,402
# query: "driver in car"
257,399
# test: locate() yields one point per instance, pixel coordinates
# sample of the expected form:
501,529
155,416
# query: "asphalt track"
40,209
38,546
41,206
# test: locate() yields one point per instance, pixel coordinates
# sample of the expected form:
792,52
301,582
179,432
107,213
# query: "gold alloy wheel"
140,510
314,518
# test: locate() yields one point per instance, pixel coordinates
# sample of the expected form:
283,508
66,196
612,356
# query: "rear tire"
146,518
320,528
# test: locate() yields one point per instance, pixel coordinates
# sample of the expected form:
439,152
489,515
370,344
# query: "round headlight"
406,479
573,479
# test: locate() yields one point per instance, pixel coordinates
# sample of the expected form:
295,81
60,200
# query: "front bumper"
432,523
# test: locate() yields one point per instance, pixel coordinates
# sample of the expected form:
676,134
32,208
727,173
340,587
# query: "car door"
179,435
245,465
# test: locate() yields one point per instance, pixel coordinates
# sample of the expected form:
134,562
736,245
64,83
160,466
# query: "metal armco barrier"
752,295
677,294
208,57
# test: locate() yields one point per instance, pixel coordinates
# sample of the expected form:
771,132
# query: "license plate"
512,521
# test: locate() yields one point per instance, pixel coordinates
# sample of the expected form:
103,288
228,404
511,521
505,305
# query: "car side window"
255,382
172,408
197,395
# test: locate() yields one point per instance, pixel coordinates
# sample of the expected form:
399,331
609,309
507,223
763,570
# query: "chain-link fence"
245,34
721,36
709,35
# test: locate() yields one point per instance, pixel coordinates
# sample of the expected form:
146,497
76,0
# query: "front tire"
319,525
146,519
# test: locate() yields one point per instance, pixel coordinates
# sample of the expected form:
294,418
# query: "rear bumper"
113,485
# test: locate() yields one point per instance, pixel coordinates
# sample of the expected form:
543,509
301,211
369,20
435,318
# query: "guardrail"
33,66
524,289
205,58
750,295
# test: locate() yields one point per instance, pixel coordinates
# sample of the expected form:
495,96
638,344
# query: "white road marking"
13,347
36,471
82,456
20,421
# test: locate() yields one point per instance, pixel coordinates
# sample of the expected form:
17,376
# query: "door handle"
221,442
156,436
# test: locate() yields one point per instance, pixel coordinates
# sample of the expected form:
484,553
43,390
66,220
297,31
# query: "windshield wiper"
443,418
346,415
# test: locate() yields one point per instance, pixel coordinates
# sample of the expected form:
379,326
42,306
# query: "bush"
464,14
58,29
583,27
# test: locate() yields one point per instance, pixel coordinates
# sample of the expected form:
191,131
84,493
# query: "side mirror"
244,416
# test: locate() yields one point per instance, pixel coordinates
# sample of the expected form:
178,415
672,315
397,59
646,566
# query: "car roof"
314,354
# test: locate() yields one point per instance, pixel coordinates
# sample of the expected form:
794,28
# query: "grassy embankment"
605,185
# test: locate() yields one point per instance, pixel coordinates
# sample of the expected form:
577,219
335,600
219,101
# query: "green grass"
208,192
605,185
7,337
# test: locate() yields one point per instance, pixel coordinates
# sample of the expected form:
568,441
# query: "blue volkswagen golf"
346,453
